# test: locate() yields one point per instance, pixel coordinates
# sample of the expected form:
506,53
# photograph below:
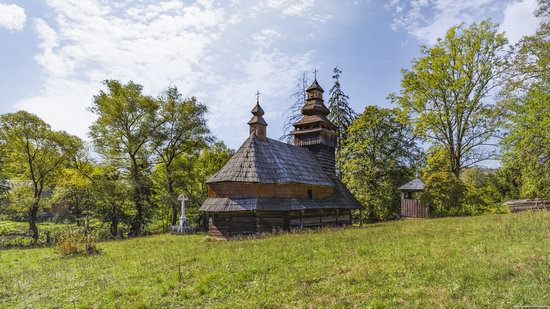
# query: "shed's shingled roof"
413,185
271,161
342,199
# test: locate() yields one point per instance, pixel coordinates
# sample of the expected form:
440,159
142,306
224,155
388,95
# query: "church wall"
248,190
225,225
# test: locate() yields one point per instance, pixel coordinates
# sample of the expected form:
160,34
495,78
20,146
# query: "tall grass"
484,261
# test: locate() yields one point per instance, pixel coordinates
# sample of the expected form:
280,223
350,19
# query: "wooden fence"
524,205
413,209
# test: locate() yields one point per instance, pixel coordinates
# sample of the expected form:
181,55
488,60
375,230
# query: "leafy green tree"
193,170
532,59
294,112
35,153
448,91
75,190
526,156
378,155
443,189
182,130
476,191
527,145
341,114
124,134
113,197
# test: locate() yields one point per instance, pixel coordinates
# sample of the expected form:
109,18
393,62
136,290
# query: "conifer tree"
341,114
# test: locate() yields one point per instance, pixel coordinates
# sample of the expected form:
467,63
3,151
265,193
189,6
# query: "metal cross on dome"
315,73
258,96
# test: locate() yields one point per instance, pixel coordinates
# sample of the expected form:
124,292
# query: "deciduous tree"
378,155
36,154
526,157
448,92
182,130
124,134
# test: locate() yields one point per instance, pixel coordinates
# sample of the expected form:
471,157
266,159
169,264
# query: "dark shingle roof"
271,161
342,199
315,85
413,185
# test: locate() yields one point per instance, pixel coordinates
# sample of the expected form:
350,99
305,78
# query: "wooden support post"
321,217
257,220
361,217
350,218
337,209
301,219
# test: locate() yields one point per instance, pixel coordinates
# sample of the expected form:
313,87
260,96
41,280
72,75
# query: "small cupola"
257,123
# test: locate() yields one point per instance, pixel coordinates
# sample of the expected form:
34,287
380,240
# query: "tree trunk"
32,218
172,200
137,222
77,214
114,225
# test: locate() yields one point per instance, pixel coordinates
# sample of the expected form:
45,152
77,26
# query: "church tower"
315,132
257,123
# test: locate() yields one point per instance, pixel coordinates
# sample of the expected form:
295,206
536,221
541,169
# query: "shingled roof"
271,161
413,185
342,199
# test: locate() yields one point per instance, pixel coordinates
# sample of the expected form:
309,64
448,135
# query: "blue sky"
55,53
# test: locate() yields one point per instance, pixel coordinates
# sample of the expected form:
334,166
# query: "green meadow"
483,261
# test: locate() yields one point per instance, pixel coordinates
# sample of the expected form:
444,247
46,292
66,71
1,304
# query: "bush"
75,242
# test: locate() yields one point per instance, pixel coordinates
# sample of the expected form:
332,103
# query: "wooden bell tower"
315,132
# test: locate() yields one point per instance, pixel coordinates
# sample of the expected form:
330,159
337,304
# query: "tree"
378,155
532,60
341,114
113,197
443,190
526,157
527,145
294,112
76,191
182,130
447,93
124,134
193,169
35,153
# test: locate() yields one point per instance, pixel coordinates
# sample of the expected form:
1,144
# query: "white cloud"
428,20
291,7
265,37
519,20
209,51
12,17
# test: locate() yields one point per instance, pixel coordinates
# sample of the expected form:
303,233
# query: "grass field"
494,260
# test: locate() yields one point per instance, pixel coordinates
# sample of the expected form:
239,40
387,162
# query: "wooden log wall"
225,225
413,209
248,190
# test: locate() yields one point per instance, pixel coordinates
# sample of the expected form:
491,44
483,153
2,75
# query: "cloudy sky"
55,53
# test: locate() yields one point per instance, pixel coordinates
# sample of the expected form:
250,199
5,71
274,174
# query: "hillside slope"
496,260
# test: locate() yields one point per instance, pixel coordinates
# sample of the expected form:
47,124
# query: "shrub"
75,242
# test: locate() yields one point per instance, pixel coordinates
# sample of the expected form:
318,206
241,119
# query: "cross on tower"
315,73
258,96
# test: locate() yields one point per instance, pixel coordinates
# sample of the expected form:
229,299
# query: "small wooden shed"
412,207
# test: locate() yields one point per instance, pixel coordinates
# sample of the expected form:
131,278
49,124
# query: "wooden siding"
229,224
287,190
413,209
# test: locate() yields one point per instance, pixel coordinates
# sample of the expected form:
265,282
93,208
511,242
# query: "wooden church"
270,185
